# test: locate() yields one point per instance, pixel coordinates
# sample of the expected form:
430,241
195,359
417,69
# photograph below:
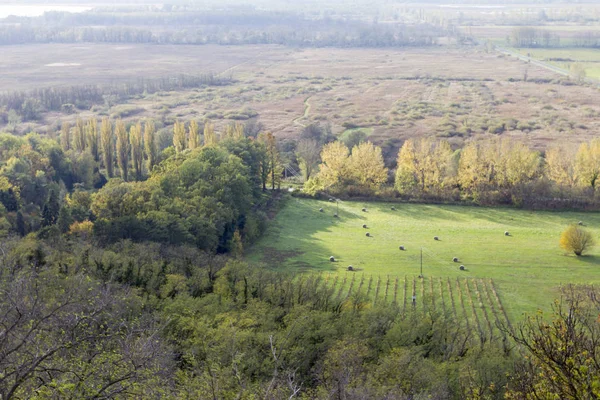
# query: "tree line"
495,171
28,105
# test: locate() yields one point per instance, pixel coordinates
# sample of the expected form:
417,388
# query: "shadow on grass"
285,243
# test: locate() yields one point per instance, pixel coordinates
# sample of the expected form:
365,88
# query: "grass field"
527,267
588,58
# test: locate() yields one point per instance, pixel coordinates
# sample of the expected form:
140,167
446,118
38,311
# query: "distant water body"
34,10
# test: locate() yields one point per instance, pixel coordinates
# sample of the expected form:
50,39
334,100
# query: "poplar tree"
108,152
65,136
179,139
123,149
92,138
193,141
79,140
137,149
210,137
150,144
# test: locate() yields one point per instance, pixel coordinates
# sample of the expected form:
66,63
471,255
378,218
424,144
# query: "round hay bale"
462,267
320,210
393,208
364,210
436,238
350,268
580,223
365,226
330,199
368,234
401,248
507,233
335,216
332,258
455,259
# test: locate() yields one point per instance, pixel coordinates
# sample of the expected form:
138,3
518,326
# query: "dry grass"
399,93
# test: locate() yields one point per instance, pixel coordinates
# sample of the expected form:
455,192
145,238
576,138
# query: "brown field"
398,93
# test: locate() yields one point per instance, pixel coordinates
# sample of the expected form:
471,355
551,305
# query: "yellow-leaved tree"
587,164
366,167
424,165
560,165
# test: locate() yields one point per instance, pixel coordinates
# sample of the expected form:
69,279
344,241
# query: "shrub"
576,239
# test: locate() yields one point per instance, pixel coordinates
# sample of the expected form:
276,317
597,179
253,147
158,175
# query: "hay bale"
332,258
462,267
393,208
368,234
331,200
401,248
580,223
455,259
350,268
365,226
335,216
507,233
320,210
364,210
436,238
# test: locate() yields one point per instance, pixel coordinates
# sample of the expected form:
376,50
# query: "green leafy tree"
92,141
150,144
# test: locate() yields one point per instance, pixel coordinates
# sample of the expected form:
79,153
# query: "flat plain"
450,92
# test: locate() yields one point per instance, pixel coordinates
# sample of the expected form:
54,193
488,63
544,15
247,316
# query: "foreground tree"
576,239
564,353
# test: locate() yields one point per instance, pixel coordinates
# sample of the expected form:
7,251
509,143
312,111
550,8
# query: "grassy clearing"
527,267
564,57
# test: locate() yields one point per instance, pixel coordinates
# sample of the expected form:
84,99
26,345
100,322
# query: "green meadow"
527,268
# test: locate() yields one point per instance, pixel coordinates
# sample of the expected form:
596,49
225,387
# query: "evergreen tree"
108,152
123,149
65,219
150,144
21,225
51,208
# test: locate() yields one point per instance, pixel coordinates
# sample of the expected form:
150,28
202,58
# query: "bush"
576,239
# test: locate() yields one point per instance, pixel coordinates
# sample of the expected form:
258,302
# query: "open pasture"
527,267
394,93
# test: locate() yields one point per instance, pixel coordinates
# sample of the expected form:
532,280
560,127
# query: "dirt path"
305,115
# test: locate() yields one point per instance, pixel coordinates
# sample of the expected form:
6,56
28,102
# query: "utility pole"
421,276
